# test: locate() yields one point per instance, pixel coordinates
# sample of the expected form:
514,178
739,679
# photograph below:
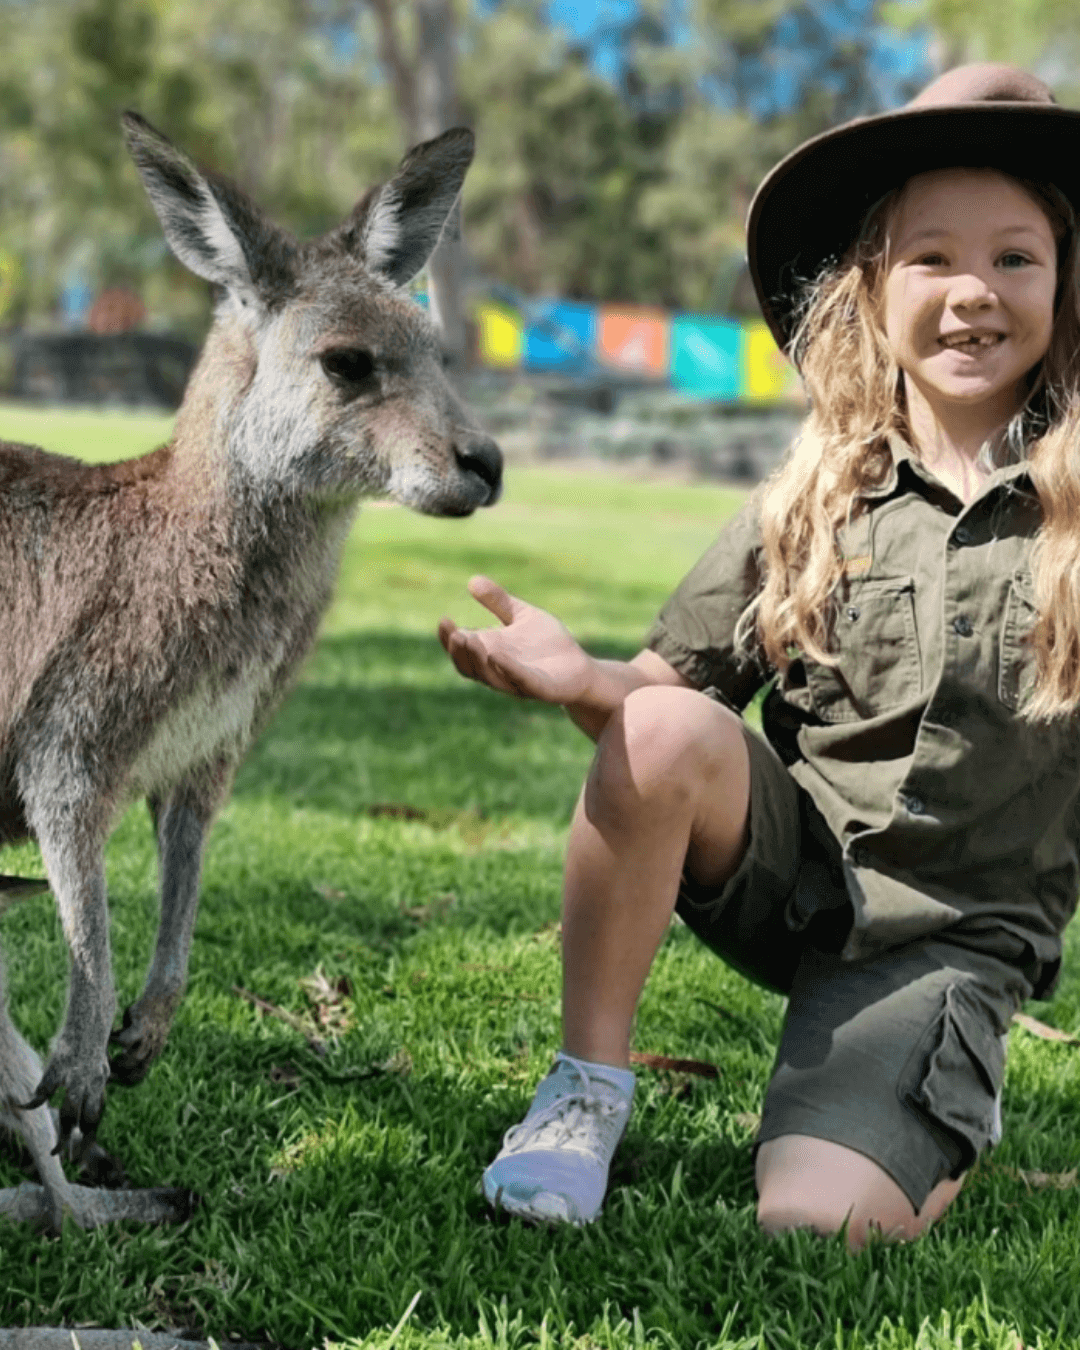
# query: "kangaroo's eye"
348,366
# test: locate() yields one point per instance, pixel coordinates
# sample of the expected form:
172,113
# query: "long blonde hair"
856,402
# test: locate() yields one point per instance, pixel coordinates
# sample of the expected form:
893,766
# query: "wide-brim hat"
808,210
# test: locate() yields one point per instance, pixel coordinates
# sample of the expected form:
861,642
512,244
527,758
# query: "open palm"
531,654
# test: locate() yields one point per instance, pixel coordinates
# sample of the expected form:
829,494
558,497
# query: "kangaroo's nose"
480,455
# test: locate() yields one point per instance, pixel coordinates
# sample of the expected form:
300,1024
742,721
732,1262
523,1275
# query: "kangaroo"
154,612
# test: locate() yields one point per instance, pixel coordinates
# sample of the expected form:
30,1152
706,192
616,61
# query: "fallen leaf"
424,913
320,989
749,1120
283,1015
1058,1181
329,892
400,1062
694,1066
397,811
1046,1033
332,1012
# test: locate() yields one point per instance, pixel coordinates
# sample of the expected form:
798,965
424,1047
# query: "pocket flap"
955,1074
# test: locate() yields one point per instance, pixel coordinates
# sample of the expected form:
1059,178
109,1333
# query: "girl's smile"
969,293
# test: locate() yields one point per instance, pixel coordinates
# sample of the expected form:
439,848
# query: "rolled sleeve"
695,630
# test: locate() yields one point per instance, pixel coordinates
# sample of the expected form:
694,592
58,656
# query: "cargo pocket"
877,649
1016,663
953,1078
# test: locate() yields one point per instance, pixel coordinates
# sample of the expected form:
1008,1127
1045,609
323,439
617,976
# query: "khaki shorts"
901,1056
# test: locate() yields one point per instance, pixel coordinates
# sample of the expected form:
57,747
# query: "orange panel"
634,340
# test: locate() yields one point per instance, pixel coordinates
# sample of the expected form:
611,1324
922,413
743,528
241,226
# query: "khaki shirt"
952,812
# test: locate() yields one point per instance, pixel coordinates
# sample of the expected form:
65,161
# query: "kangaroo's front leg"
79,1065
181,825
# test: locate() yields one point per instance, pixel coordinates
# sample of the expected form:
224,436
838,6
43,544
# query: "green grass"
330,1200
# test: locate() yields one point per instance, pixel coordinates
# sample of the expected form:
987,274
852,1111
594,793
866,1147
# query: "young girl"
899,854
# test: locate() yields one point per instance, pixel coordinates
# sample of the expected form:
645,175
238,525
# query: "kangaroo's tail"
18,888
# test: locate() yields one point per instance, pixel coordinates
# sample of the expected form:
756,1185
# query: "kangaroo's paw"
143,1032
98,1168
82,1079
88,1207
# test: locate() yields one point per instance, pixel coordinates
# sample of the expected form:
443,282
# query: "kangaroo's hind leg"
47,1203
181,823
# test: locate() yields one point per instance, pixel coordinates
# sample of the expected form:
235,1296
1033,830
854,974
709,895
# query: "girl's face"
969,291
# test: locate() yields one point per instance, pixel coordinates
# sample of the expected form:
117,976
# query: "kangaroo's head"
321,376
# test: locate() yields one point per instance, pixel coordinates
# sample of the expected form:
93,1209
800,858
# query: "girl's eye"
1012,261
930,259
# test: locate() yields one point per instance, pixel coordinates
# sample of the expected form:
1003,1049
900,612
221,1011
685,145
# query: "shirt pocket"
876,645
1016,663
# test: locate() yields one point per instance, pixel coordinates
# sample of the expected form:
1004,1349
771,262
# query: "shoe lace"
574,1119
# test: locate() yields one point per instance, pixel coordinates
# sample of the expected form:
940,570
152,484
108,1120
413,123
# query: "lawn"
388,873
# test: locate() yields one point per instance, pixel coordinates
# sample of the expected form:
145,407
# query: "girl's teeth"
989,340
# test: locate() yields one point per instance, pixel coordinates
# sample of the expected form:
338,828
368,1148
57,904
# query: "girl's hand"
532,655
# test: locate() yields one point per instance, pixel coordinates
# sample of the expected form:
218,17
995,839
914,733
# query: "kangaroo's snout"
479,455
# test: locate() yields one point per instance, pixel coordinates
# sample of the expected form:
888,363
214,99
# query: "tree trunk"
425,91
436,110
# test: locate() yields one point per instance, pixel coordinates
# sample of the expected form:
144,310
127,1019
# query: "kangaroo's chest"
217,721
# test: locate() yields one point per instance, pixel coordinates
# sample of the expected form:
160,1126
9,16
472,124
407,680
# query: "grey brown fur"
153,613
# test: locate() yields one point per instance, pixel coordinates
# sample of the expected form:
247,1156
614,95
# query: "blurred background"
599,295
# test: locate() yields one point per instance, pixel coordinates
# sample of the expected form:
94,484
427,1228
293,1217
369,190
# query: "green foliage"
338,1188
1042,35
633,193
259,93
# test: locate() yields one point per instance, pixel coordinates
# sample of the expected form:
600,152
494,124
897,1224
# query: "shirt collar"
902,453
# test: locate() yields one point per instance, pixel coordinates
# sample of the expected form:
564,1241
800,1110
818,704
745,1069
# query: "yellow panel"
501,336
767,375
9,276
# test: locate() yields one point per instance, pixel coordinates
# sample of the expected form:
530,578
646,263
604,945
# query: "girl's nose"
970,291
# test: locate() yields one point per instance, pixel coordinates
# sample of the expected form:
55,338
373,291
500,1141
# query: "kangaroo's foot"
144,1029
88,1207
82,1076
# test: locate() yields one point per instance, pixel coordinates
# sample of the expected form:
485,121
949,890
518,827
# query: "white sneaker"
554,1165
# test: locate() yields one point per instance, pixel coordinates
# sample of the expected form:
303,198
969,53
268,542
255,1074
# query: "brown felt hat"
810,207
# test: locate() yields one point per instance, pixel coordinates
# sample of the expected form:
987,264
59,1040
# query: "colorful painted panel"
767,376
705,356
500,336
560,336
634,340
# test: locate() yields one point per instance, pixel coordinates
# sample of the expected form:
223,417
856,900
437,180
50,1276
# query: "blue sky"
895,57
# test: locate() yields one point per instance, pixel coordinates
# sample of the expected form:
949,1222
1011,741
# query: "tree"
425,91
1043,35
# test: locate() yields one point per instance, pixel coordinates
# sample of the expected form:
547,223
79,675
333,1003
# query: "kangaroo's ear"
395,228
212,227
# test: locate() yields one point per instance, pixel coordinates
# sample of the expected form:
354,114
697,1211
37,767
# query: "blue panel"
559,335
705,356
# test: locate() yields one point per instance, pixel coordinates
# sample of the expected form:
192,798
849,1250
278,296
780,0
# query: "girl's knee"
815,1184
663,743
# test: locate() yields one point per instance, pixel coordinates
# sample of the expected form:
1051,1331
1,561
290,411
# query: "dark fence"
136,369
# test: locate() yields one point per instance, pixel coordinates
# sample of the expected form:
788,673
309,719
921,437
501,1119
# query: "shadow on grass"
384,718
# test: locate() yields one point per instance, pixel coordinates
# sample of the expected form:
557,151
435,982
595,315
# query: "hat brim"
808,209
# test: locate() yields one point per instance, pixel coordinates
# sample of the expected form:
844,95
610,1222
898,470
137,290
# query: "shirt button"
963,535
963,625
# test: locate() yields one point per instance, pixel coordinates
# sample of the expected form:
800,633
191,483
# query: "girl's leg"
670,785
804,1182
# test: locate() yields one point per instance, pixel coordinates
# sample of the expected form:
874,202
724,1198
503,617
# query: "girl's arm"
533,655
